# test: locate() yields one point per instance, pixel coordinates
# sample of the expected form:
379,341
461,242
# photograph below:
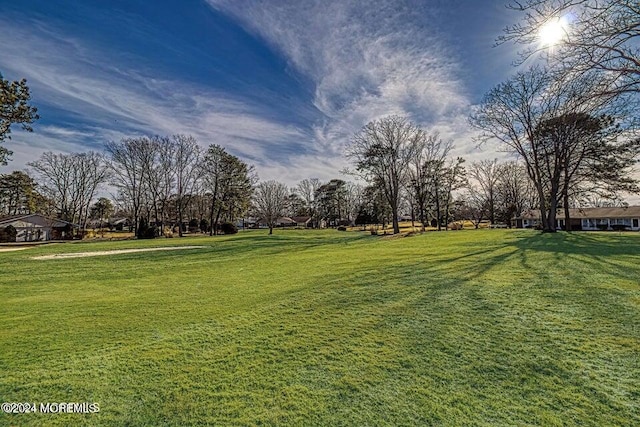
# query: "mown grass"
486,327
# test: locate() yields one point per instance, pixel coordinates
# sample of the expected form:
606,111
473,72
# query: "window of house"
635,223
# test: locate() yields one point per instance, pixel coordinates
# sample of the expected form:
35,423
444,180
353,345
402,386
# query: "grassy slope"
486,327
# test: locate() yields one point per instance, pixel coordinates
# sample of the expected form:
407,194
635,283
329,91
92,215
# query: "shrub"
228,228
144,231
602,227
204,225
342,228
8,234
618,227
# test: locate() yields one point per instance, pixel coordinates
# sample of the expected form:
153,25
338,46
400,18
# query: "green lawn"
487,327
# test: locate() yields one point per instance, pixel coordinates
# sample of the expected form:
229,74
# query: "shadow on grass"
582,243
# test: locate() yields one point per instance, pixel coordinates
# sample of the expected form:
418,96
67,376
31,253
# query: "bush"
618,227
204,225
342,228
8,234
144,231
602,227
228,228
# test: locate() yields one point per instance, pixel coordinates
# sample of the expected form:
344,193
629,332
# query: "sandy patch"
12,249
115,252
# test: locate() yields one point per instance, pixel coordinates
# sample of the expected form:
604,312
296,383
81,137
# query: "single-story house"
627,218
248,222
36,227
120,224
282,221
302,221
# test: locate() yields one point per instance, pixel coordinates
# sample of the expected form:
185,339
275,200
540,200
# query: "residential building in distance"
588,219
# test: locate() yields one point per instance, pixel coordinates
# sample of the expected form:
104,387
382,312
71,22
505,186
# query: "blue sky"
282,84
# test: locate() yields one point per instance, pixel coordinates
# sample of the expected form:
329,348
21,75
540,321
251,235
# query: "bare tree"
558,129
382,152
430,153
71,180
515,191
270,202
161,177
486,174
353,200
307,189
453,178
600,35
186,156
131,161
475,206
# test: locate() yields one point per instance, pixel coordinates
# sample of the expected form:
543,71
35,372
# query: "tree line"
570,120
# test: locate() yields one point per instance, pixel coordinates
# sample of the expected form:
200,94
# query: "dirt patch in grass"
12,249
115,252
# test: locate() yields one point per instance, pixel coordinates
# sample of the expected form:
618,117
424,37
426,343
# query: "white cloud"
110,102
366,60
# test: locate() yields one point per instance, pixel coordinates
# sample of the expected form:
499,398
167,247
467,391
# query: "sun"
552,32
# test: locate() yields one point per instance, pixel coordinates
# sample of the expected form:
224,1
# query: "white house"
36,227
623,218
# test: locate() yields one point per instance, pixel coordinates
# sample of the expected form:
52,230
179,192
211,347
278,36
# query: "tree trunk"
217,220
270,229
394,218
438,213
550,227
567,216
211,230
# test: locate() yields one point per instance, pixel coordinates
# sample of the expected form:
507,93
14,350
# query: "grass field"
486,327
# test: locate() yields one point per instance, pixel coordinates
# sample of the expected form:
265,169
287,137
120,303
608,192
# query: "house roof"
4,221
585,213
299,219
280,220
116,221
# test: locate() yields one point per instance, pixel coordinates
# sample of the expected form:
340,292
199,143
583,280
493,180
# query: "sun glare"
552,32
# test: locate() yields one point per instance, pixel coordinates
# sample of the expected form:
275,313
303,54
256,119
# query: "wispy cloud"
102,101
365,59
361,61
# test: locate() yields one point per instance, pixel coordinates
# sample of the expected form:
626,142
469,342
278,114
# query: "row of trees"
572,120
159,176
409,170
